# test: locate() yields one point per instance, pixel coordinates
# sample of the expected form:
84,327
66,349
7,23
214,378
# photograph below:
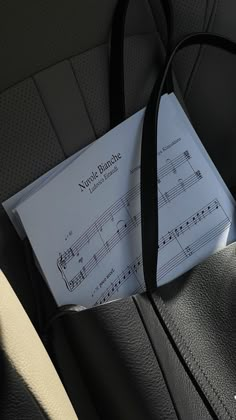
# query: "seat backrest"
54,96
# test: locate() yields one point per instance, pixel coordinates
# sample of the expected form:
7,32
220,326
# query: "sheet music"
14,201
84,224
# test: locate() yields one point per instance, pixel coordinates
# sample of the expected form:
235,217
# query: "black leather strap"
149,197
117,95
117,92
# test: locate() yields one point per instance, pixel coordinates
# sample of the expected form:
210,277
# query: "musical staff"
84,221
172,165
187,224
123,227
194,247
178,189
131,270
78,279
76,247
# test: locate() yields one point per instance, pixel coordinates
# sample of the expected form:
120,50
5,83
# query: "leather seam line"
161,39
156,356
201,53
31,75
180,358
187,354
82,96
49,117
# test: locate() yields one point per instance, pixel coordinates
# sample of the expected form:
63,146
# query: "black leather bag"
169,353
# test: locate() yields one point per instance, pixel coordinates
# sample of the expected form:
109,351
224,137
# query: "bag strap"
149,168
117,91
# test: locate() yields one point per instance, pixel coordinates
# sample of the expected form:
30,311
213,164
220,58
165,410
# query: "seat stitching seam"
200,54
142,319
31,75
184,349
82,96
157,25
49,117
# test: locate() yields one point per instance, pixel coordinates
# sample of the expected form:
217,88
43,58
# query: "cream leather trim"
25,351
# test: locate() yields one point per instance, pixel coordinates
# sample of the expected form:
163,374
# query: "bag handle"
117,90
149,196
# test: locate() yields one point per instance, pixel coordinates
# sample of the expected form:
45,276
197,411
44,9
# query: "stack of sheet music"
83,218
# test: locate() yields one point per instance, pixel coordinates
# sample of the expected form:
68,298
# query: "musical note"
174,192
188,224
107,245
121,279
163,241
97,226
81,274
172,165
187,155
122,229
216,204
199,217
194,247
182,184
188,251
106,248
176,232
199,175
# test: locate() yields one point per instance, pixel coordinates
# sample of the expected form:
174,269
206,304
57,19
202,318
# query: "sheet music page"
14,201
84,224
